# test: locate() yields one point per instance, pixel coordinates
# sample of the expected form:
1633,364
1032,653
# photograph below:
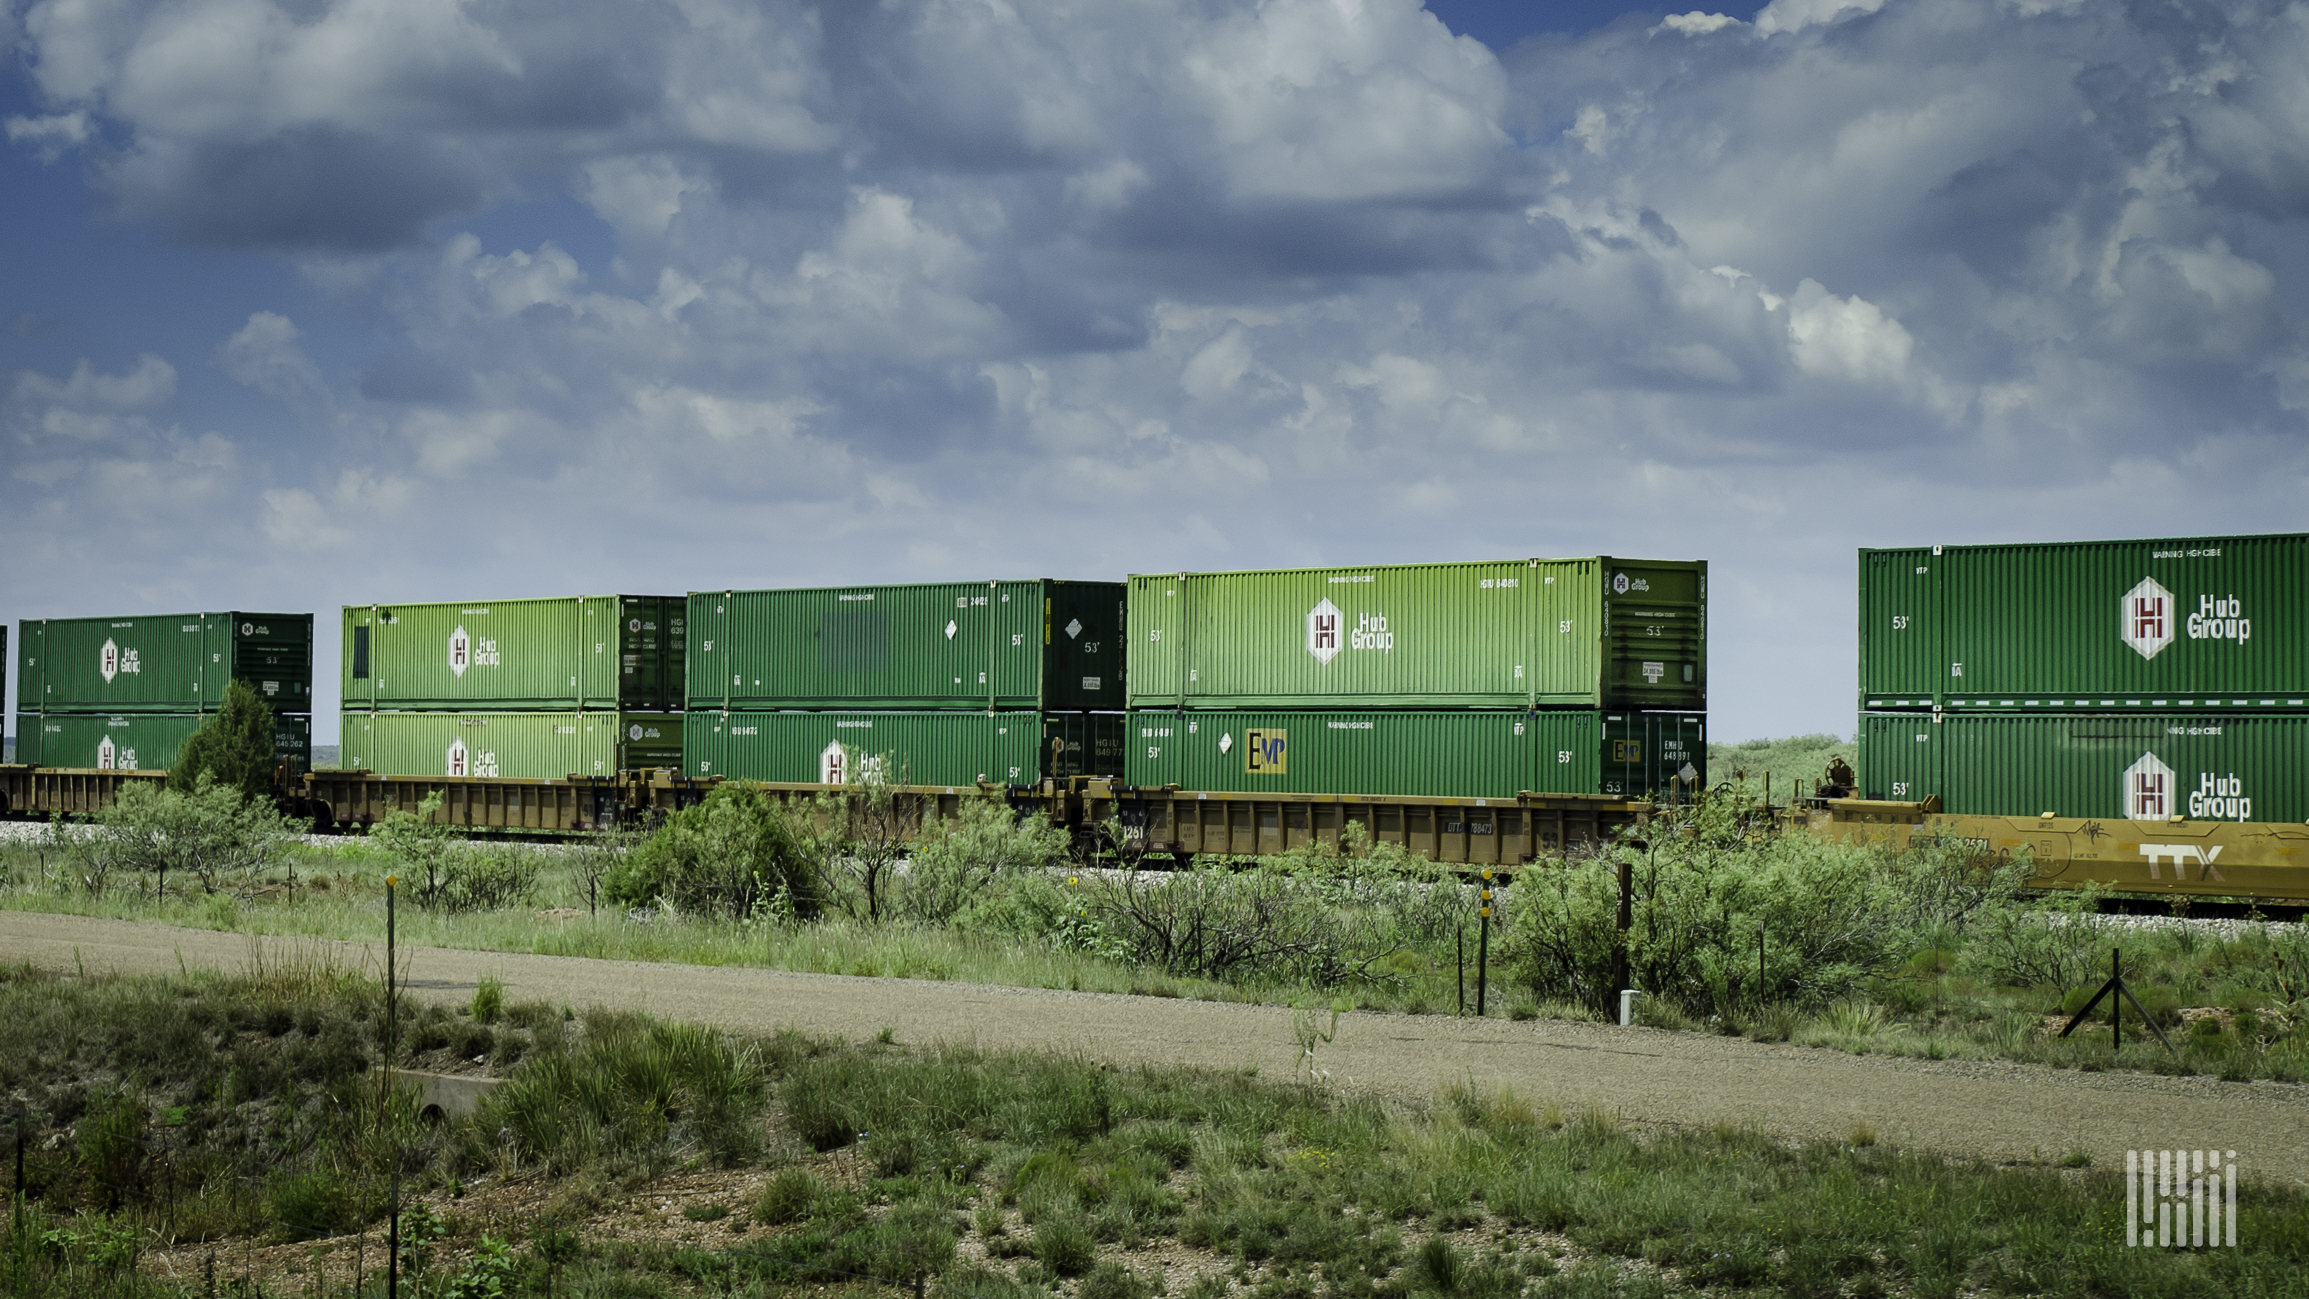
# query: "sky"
314,302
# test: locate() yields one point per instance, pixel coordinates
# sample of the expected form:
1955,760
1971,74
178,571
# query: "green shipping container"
993,646
573,654
2140,767
137,741
2194,624
168,663
1522,633
943,748
1465,754
509,745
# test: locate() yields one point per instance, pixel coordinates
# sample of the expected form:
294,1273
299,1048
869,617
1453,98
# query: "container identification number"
1497,583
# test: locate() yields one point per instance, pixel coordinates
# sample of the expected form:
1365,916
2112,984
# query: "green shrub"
488,999
307,1206
732,854
1063,1243
787,1197
441,870
1722,919
210,833
959,867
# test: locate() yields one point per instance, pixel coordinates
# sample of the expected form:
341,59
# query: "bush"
1721,920
732,854
1063,1243
955,866
307,1206
444,871
232,749
787,1197
636,1090
1216,923
211,832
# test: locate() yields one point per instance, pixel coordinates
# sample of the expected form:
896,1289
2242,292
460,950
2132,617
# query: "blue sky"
351,300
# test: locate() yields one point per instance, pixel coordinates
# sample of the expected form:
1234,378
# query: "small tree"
213,833
857,837
233,748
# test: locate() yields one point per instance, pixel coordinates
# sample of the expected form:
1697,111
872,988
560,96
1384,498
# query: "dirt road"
2003,1112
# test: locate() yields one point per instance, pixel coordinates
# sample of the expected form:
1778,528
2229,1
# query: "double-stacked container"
126,693
2137,679
1585,676
533,688
951,683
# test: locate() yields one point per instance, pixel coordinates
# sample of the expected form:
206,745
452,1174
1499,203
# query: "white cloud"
1697,23
1795,15
265,356
1847,338
50,135
914,289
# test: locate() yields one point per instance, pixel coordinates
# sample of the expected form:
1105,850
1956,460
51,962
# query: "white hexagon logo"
833,763
460,652
2148,790
2148,618
1619,583
457,763
105,754
108,661
1323,632
633,732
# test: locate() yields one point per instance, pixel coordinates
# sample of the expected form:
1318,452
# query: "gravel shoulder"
1988,1110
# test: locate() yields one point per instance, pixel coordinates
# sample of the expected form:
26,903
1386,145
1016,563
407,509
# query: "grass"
341,897
1798,757
1016,1176
1922,1010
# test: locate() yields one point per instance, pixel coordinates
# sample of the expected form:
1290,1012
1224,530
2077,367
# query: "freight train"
1481,713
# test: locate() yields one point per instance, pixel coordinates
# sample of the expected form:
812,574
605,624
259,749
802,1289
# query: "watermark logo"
2181,1198
2148,618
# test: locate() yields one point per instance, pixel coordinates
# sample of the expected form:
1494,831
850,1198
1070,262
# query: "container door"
1156,623
1903,758
1903,638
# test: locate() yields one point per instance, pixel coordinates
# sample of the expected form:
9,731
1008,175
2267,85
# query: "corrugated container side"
578,653
2220,767
137,741
1901,627
992,646
957,748
508,745
1497,634
1463,754
167,663
2196,623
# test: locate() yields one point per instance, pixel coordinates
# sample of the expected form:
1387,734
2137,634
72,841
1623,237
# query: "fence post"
1483,948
